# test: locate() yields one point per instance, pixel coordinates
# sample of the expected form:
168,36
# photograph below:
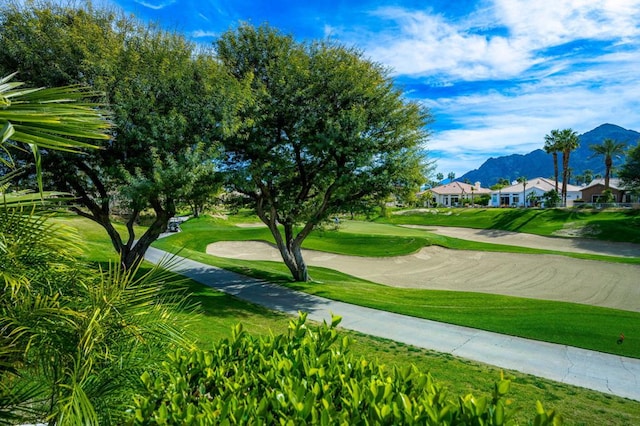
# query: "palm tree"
523,181
472,196
52,118
588,176
567,140
551,147
72,340
609,149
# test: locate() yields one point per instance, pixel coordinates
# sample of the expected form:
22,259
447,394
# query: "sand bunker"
547,277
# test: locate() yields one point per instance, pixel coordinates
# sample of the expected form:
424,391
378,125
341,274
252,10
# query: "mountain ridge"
538,163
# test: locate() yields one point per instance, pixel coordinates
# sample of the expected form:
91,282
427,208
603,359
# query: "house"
593,193
454,194
515,194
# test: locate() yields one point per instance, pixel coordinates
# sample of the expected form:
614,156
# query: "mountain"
540,164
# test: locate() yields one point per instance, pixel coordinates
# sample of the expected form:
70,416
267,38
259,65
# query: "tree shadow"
515,219
260,293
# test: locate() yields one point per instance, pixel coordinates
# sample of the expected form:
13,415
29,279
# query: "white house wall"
516,199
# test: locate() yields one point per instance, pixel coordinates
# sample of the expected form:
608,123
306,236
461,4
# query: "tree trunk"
292,255
132,255
565,175
608,162
555,168
290,250
131,252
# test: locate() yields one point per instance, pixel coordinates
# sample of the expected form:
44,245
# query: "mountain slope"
539,163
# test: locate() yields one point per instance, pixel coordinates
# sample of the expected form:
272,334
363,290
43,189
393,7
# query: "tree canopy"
564,141
551,146
72,340
165,95
630,170
609,149
324,129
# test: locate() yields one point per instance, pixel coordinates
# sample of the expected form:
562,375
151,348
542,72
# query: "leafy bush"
307,376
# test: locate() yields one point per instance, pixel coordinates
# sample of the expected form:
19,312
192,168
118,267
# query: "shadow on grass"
239,289
515,219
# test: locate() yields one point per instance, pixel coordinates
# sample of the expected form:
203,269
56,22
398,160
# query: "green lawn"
577,325
220,312
610,225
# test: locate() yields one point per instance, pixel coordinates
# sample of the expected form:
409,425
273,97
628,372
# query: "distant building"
454,194
593,193
515,196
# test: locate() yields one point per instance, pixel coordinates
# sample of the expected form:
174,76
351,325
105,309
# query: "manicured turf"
577,325
610,225
220,312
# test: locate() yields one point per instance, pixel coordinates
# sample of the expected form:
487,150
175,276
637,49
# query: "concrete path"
605,373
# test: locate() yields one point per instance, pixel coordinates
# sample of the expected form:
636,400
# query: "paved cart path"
601,372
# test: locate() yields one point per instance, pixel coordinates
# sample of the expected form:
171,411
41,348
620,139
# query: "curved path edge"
611,374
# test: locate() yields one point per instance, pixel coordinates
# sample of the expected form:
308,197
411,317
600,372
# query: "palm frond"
51,117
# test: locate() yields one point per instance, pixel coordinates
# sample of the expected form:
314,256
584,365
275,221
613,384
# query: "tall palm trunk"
565,174
555,167
608,164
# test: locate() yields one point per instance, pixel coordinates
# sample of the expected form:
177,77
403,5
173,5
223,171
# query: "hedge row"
307,376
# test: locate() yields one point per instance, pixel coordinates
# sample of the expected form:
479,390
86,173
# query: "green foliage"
307,376
551,198
73,340
609,149
562,141
166,98
324,131
630,171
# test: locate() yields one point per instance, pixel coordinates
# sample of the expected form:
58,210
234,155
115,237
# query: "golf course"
240,243
551,294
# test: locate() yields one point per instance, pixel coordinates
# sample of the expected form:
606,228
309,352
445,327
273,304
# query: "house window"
515,199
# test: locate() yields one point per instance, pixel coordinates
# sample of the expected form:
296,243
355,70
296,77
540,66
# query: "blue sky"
498,75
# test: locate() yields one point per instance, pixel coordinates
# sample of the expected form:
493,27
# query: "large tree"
609,149
630,170
325,129
72,340
165,96
551,147
523,181
567,141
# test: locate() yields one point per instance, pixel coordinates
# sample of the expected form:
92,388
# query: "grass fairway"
621,226
220,312
572,324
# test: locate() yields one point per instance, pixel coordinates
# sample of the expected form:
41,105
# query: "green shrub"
306,377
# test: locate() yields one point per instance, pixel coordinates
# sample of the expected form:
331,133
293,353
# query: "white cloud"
546,23
495,124
157,5
522,43
427,44
204,33
420,43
